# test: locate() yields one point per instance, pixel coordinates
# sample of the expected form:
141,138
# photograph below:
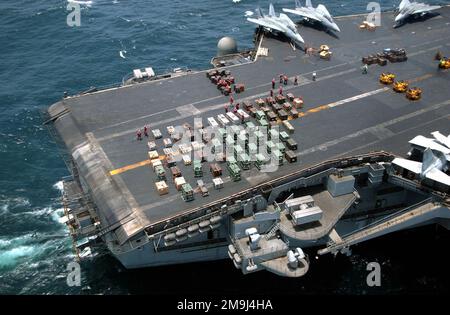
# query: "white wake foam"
86,3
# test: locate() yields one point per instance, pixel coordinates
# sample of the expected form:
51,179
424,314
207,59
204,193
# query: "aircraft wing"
438,176
441,138
266,24
426,8
413,166
323,10
303,13
424,142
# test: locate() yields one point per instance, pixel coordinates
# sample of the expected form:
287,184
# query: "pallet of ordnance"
392,55
395,55
222,79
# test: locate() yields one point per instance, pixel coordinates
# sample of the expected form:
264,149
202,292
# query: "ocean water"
41,57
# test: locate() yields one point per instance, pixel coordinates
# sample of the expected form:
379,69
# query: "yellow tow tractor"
367,26
400,86
387,78
325,52
444,63
414,94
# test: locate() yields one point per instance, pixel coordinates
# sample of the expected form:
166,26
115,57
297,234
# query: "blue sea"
41,57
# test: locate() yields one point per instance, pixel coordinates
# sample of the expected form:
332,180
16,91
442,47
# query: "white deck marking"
357,97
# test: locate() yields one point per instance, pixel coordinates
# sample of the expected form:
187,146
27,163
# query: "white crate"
217,182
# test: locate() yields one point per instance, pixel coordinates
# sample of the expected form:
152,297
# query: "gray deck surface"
370,121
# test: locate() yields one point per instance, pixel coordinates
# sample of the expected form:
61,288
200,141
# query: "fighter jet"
433,166
274,23
320,14
407,9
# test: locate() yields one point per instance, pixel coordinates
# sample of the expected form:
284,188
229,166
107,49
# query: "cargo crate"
280,99
260,102
278,156
263,123
238,150
291,144
297,102
288,126
215,169
160,172
153,155
274,135
252,112
294,113
260,159
260,114
186,159
280,147
291,157
244,161
155,162
235,172
198,171
151,145
276,107
282,114
247,105
175,171
250,126
170,161
167,142
162,188
287,106
270,100
270,146
157,133
187,192
203,188
284,136
271,116
218,183
179,181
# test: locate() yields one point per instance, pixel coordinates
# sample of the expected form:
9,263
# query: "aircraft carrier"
348,130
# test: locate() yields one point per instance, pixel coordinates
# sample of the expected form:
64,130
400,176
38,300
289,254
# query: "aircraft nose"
336,28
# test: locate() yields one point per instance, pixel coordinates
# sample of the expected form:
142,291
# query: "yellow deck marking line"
302,114
129,167
133,166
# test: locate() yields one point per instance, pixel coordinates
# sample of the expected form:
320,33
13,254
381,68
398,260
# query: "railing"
388,217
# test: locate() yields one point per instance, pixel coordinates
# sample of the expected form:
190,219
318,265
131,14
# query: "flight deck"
345,113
